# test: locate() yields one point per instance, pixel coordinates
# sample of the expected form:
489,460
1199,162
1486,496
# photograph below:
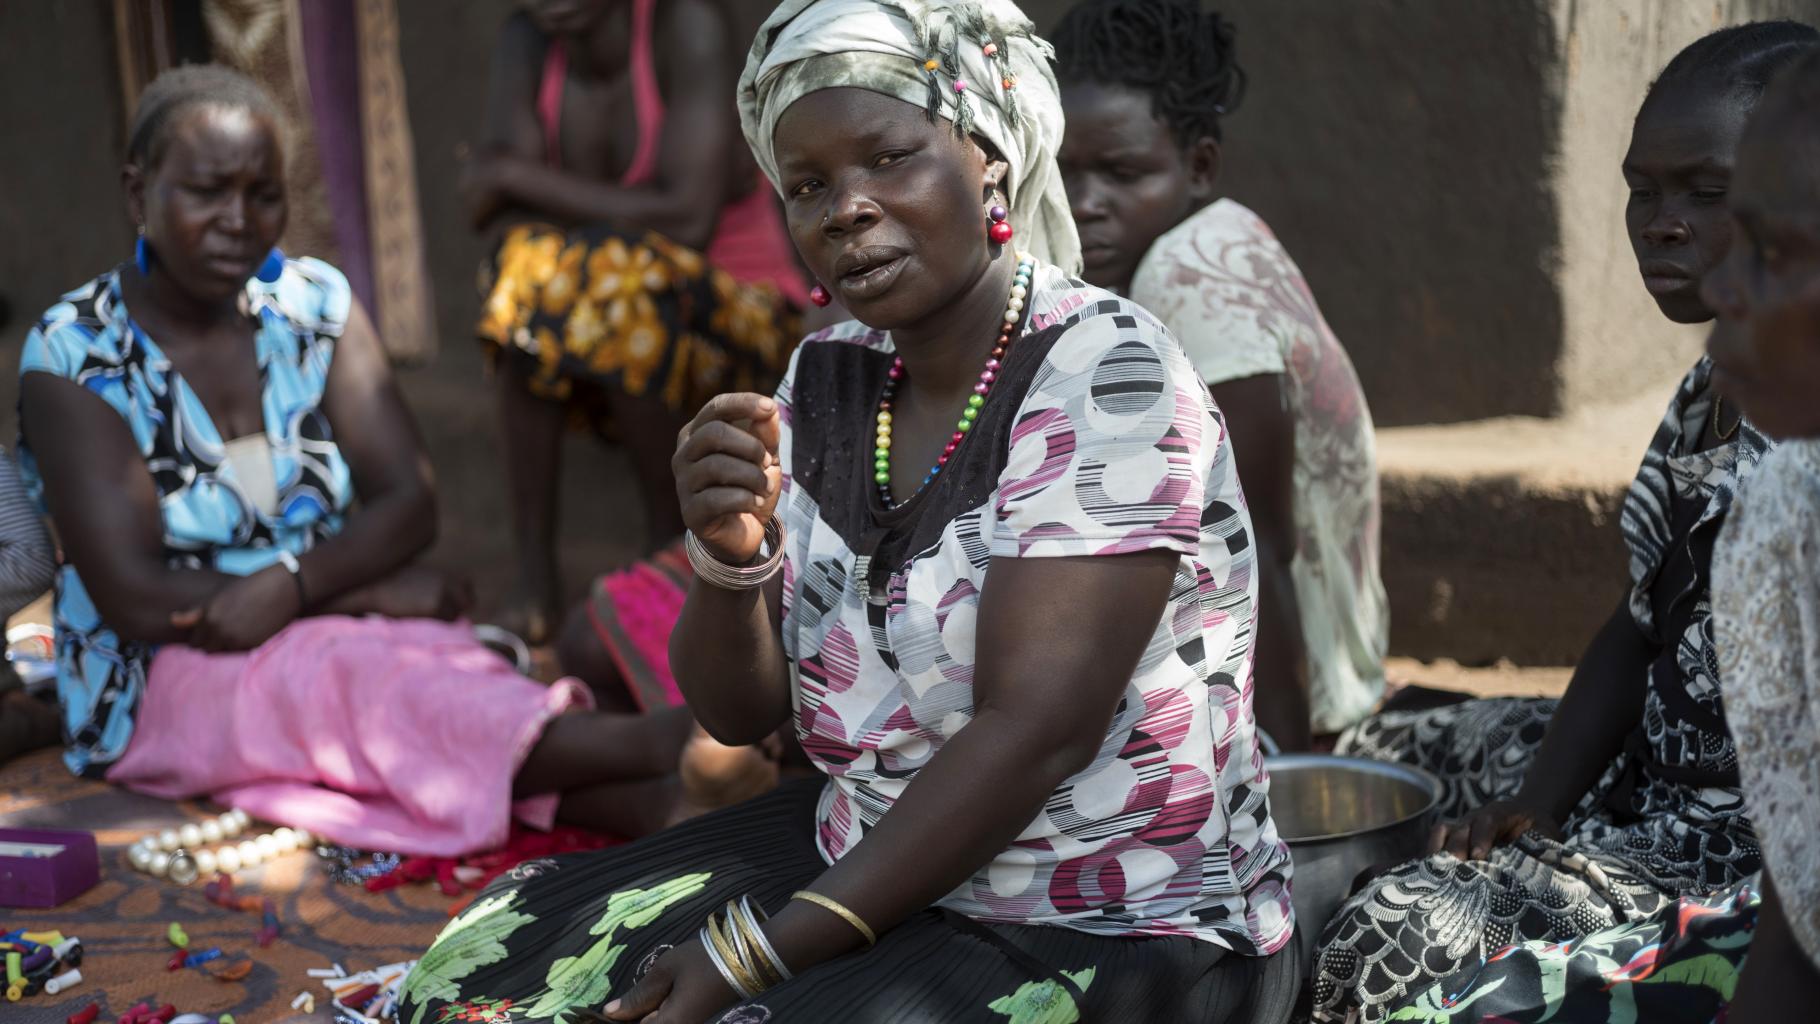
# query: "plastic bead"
931,64
1000,233
989,49
960,85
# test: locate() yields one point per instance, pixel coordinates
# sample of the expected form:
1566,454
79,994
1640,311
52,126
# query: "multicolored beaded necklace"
881,452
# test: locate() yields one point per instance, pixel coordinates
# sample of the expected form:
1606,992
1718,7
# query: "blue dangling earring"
142,254
273,267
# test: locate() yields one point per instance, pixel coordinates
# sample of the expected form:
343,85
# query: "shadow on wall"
1402,152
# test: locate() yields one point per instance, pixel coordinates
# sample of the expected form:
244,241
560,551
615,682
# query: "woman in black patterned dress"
1606,810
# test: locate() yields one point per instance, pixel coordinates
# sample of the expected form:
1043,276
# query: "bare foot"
715,775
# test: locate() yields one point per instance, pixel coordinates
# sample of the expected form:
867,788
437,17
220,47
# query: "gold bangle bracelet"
834,907
724,946
743,922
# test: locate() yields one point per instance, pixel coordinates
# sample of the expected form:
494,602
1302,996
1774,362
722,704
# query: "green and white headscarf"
887,46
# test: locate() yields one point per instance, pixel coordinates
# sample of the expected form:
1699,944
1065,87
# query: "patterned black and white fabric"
1666,819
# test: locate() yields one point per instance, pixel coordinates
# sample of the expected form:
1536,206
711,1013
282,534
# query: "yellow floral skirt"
591,307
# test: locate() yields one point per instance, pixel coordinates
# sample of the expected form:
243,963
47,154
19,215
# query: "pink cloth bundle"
375,733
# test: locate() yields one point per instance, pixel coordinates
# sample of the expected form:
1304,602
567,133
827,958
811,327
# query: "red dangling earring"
820,296
1000,229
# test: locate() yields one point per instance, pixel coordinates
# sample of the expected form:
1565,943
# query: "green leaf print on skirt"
1044,1002
473,940
585,980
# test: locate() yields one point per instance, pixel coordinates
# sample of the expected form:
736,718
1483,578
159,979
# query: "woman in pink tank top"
641,267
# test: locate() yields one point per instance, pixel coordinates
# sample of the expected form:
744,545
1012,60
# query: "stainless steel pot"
1341,815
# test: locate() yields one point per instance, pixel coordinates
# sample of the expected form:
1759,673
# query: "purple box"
42,867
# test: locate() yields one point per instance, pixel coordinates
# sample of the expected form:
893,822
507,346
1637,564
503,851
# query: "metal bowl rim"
1396,769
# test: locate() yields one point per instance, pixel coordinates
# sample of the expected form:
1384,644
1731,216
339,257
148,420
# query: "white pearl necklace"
174,854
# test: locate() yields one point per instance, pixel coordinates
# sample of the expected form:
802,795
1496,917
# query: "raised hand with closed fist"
728,476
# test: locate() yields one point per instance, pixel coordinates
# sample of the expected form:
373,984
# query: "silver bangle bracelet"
755,916
726,973
717,573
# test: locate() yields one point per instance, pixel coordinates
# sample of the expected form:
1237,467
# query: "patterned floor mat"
122,921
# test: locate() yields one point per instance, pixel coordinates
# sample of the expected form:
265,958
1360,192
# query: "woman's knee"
582,654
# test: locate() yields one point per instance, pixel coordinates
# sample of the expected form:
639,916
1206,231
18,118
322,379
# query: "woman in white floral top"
1766,566
1145,83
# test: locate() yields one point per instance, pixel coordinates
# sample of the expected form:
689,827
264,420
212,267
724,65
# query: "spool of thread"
14,993
34,962
177,935
176,961
198,959
69,951
165,1014
68,979
86,1015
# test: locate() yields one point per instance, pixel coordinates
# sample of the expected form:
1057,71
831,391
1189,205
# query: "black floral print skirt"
576,931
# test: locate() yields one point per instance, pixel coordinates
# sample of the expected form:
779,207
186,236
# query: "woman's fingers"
1485,829
1513,826
768,428
1437,839
1459,838
644,998
720,438
743,409
720,470
705,508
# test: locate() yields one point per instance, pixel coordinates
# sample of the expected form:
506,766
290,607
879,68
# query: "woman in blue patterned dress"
242,495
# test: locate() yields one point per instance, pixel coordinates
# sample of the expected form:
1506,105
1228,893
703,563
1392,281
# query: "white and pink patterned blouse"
1098,439
1228,291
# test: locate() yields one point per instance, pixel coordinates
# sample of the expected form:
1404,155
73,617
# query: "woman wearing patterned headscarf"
986,550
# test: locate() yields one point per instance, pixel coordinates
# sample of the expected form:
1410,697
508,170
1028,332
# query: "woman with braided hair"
1145,84
986,551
